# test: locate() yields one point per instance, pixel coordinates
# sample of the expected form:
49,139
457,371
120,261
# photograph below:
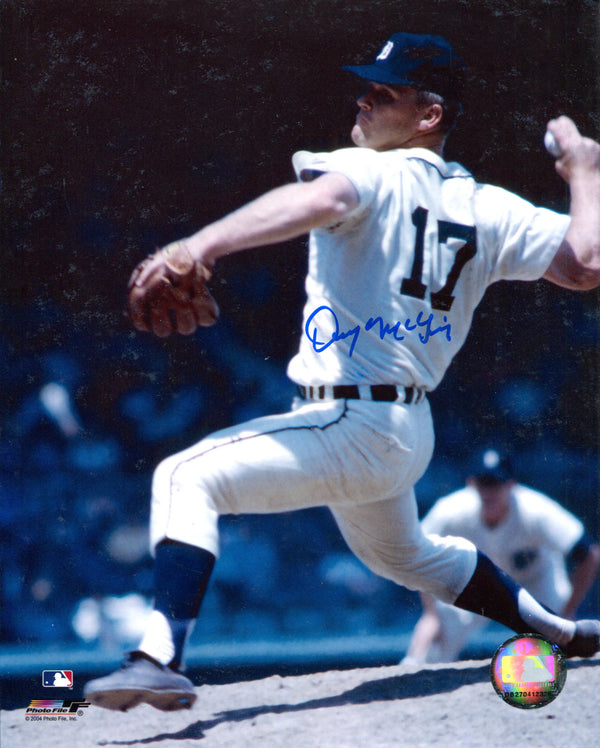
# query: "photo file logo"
56,706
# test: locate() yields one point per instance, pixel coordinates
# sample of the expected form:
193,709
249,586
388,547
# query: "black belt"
388,393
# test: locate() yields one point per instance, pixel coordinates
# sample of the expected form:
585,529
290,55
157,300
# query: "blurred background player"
543,547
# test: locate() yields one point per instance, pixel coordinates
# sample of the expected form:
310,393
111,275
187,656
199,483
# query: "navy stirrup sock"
181,574
493,594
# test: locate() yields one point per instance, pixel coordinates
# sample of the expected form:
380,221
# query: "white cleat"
141,680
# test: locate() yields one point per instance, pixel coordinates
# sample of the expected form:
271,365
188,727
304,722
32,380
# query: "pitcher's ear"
431,117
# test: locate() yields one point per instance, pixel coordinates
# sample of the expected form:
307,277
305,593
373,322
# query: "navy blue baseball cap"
418,60
491,466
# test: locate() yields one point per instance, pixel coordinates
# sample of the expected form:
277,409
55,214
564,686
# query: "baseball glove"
167,293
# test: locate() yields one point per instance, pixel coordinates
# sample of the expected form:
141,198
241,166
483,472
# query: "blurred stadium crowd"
85,426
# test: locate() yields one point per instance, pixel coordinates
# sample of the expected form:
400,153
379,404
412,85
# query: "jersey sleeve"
433,522
560,529
439,519
521,238
357,164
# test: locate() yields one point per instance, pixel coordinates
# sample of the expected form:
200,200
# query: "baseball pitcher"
402,248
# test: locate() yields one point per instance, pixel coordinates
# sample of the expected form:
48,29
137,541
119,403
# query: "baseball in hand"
551,144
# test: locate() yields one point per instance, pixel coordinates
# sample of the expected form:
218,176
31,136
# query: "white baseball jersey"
530,544
391,289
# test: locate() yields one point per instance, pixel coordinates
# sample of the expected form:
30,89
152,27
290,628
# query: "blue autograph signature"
327,317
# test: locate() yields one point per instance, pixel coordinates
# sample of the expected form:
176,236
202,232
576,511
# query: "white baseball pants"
360,458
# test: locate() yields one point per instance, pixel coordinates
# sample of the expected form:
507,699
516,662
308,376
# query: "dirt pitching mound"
442,705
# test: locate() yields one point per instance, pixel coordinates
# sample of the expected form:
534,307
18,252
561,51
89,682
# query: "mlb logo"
528,669
57,678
